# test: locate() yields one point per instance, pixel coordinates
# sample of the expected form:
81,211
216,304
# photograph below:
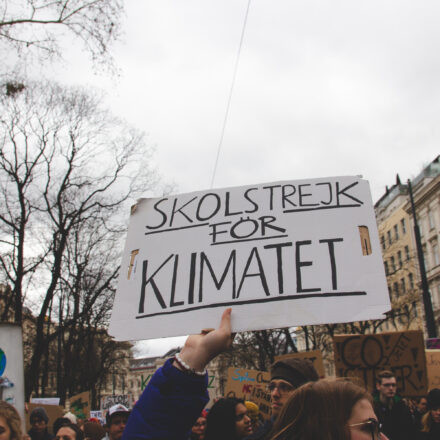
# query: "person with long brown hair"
328,410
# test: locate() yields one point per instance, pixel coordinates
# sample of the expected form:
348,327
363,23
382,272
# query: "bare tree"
34,28
67,170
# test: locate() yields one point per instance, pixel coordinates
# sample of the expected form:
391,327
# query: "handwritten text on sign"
365,356
298,252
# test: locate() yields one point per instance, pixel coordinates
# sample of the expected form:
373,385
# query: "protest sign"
433,343
46,400
364,356
96,414
249,385
433,367
281,254
53,412
80,405
122,399
314,356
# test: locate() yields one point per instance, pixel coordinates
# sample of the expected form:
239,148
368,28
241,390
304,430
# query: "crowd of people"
304,407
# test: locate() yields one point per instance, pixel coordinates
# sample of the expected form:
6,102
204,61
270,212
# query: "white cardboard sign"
281,254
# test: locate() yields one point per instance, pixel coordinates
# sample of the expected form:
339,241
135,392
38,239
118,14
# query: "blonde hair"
12,419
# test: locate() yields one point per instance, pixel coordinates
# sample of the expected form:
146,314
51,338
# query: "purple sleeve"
169,405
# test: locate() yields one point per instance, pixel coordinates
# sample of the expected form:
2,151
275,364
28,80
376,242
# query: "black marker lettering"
270,188
246,196
173,284
192,276
175,211
278,248
164,216
266,221
342,191
330,191
150,280
215,210
300,264
260,272
287,195
218,284
301,196
331,251
227,202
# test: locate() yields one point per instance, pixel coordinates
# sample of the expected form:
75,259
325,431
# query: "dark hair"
386,374
319,410
79,435
93,430
60,422
221,419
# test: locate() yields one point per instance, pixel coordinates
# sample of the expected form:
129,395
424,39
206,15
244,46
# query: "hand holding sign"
200,349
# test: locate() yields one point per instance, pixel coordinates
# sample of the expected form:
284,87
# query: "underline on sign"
177,229
256,301
249,239
286,211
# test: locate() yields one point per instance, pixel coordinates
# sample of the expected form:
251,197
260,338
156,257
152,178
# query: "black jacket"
397,421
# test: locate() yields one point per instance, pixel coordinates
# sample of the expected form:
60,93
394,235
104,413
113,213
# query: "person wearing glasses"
285,377
391,410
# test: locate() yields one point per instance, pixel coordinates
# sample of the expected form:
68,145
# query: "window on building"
420,223
399,258
431,221
402,285
425,259
414,304
390,292
407,253
396,232
393,264
435,254
382,240
403,225
386,268
396,289
390,240
411,280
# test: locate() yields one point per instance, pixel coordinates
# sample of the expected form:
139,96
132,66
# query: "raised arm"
175,396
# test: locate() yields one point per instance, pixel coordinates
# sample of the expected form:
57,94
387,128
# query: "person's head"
285,376
69,432
328,410
386,384
10,424
116,419
253,412
59,422
93,431
39,419
199,428
422,405
228,419
433,403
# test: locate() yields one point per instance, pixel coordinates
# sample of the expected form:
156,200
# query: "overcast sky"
323,88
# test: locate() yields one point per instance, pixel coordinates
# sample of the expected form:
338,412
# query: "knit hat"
252,410
71,417
39,413
433,399
293,370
